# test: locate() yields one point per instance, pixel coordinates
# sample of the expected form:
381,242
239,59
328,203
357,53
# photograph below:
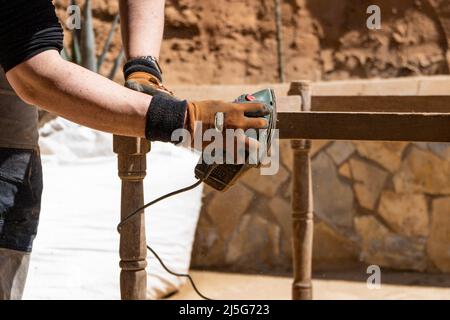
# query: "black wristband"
142,65
164,116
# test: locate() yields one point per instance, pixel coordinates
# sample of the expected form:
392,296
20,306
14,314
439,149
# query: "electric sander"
222,176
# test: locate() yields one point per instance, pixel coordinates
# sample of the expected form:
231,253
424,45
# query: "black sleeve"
27,28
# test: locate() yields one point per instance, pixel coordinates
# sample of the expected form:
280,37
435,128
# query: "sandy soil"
346,286
323,39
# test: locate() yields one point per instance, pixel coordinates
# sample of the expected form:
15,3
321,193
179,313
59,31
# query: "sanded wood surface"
422,127
434,104
387,104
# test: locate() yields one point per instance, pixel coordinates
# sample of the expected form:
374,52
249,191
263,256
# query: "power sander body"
223,176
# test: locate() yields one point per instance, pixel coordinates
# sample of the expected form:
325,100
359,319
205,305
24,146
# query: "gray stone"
226,209
286,155
282,211
438,246
421,145
406,214
386,249
209,248
332,250
237,243
340,151
440,149
256,242
266,185
318,145
369,181
333,198
423,172
386,154
207,191
345,171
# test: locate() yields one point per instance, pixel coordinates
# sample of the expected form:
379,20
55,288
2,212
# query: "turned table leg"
302,204
133,251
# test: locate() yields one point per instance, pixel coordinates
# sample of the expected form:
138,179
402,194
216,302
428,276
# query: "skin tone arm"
79,95
142,23
84,97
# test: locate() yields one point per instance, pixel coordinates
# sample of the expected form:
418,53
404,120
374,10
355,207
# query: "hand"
147,83
201,116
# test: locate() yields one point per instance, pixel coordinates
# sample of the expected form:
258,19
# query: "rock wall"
380,203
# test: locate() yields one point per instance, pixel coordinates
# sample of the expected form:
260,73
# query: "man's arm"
30,38
142,23
79,95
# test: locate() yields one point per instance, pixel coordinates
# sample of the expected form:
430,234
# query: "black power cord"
138,211
181,275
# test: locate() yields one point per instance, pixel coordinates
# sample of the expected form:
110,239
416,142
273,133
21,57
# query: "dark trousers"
20,198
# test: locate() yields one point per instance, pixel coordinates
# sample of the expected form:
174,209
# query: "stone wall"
378,203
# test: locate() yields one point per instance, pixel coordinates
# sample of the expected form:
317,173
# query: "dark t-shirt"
27,28
18,121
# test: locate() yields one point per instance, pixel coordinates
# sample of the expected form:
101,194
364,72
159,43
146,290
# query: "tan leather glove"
236,116
144,74
167,113
146,83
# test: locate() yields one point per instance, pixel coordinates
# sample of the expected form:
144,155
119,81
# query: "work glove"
167,113
144,75
188,122
220,116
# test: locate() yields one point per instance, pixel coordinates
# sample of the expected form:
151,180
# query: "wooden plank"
435,104
425,127
393,104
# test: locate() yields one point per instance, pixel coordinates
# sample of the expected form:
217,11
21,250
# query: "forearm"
79,95
142,23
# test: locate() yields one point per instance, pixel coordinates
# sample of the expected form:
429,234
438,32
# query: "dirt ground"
337,286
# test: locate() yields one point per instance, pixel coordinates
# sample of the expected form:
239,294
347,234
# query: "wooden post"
133,251
302,204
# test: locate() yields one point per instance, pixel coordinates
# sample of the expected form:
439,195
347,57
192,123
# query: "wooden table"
367,118
301,119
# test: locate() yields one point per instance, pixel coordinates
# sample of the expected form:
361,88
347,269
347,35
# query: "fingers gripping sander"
222,176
